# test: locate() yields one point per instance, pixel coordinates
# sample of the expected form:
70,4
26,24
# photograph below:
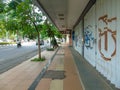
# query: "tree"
30,17
8,17
2,29
2,17
51,31
2,5
29,24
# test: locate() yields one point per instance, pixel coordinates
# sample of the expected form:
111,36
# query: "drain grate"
54,74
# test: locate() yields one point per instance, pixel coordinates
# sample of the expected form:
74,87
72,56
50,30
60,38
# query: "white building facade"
97,38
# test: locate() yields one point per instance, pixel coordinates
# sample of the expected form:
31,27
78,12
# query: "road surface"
11,56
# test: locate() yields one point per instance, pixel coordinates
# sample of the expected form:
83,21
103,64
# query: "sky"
6,1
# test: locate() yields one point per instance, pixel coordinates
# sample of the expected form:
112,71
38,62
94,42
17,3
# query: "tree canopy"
22,18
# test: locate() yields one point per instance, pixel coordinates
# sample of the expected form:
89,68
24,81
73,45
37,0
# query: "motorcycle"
19,45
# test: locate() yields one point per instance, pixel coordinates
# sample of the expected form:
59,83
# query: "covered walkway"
93,29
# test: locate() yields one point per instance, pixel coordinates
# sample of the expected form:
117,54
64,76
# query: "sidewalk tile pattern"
72,81
65,63
22,76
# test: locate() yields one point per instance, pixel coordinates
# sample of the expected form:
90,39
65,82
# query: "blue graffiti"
88,37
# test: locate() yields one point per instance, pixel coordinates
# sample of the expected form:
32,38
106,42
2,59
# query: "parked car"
41,42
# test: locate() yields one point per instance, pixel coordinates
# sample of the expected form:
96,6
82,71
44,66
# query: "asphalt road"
11,56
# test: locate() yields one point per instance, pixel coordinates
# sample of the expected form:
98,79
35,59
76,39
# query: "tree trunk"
50,42
39,49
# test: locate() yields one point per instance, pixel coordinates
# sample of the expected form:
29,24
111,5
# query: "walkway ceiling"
63,13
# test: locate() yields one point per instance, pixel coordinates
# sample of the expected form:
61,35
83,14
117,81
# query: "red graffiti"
105,34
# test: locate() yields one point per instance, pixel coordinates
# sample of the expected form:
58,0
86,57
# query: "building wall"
118,44
78,38
102,38
107,18
89,36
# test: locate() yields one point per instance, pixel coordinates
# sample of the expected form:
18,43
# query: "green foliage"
50,49
38,59
5,43
1,7
10,22
50,30
20,15
29,24
13,4
29,32
29,16
59,42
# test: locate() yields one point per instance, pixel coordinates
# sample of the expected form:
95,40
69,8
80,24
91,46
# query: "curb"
41,74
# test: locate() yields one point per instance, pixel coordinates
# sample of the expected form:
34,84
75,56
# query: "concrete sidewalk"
63,69
60,75
22,76
91,78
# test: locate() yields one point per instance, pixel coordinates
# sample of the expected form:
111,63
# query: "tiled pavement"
65,72
62,73
56,77
22,76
